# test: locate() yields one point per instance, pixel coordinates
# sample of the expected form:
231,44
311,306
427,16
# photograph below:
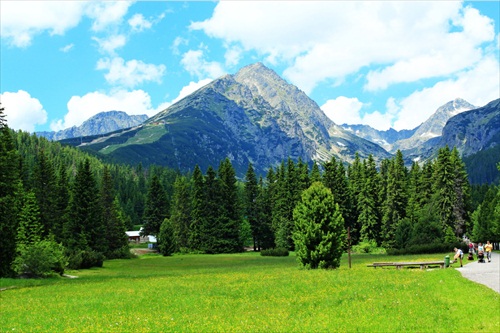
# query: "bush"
278,252
85,259
40,259
368,247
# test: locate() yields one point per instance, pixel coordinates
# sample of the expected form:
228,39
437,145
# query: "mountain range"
101,123
256,116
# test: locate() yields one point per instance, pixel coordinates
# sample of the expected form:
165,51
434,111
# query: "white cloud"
178,41
130,73
194,62
324,40
67,48
22,20
111,43
22,111
81,108
20,25
343,110
138,23
107,13
478,85
190,88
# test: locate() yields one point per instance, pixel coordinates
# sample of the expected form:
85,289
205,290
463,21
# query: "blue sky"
385,64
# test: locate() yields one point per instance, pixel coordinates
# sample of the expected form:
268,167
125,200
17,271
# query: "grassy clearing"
247,292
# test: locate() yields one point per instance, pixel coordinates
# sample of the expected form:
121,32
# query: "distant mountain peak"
101,123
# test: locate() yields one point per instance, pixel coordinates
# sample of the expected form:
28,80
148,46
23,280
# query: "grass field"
249,293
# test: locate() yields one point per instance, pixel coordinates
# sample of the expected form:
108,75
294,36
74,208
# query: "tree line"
62,203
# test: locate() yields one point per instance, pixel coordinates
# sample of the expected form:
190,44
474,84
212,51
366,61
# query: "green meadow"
249,293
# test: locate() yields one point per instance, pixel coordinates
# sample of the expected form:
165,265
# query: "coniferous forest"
63,208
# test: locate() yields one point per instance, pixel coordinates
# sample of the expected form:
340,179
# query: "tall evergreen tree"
156,207
30,229
45,188
112,218
84,229
369,217
180,217
462,194
250,206
394,206
264,215
61,203
444,188
230,218
9,184
198,210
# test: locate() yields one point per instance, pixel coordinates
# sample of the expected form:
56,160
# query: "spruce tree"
462,194
156,208
9,185
250,206
167,242
45,188
230,218
394,206
444,188
30,229
319,229
112,219
198,210
264,215
180,217
369,217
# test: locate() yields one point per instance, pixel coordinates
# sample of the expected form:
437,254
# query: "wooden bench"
421,264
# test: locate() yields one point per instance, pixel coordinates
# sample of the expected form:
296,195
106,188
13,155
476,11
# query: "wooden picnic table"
421,264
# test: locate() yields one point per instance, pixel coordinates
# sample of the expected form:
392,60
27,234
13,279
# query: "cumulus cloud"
130,73
196,64
80,108
478,85
22,111
107,13
19,26
138,23
111,43
324,41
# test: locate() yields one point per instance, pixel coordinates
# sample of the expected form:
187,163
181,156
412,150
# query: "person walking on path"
488,275
458,255
488,248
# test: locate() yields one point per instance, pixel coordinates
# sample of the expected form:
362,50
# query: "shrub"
367,247
278,252
85,259
40,259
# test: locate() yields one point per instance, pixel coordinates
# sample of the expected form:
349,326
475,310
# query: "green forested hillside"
69,207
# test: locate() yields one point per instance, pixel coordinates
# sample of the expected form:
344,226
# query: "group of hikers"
474,249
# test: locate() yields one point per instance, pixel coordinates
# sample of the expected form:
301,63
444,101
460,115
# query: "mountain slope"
253,116
101,123
471,132
433,127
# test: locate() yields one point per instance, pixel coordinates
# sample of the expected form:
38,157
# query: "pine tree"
212,231
319,229
9,184
112,218
250,206
230,218
84,230
198,210
264,215
45,191
444,188
30,229
462,192
394,206
180,218
61,204
167,242
369,217
156,208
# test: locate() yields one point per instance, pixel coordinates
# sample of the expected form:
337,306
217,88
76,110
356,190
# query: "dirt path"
487,273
